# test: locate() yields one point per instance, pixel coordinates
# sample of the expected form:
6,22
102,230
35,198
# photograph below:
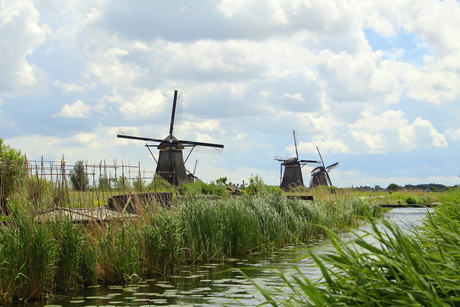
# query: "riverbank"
50,257
387,265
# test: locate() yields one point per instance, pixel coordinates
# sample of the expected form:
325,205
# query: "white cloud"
76,110
453,133
21,33
390,131
143,104
250,69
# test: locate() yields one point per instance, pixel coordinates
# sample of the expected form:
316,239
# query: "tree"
12,173
393,187
78,177
12,169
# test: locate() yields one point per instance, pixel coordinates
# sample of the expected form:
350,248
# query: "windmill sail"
320,174
170,164
292,176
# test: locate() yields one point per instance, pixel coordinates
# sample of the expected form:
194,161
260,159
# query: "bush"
12,169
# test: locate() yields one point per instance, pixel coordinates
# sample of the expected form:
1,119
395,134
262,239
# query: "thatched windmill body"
170,164
292,176
320,174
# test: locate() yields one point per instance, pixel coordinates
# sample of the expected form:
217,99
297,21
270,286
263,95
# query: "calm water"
214,284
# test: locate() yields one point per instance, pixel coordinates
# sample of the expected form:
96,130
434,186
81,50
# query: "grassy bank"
394,268
43,258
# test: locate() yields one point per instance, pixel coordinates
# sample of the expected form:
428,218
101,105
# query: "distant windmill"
292,176
170,164
320,174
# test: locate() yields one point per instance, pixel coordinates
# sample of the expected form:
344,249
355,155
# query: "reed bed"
393,268
40,258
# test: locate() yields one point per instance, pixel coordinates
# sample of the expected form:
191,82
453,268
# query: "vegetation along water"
44,254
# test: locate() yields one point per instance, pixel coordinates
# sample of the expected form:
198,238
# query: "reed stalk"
28,257
394,268
59,255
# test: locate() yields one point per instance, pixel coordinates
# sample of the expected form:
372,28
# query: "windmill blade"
202,144
124,136
295,144
332,166
325,169
173,114
322,162
281,173
194,169
282,158
309,161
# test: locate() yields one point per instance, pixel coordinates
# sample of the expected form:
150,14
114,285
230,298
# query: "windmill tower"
320,174
292,176
170,164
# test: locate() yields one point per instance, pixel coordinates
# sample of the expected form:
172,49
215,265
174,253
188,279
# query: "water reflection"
217,283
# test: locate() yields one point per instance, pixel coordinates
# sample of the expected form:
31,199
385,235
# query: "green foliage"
196,188
393,268
162,244
393,187
410,200
158,184
139,185
38,189
28,256
256,186
122,183
300,189
215,189
76,265
12,169
275,190
119,253
222,181
78,177
104,183
38,258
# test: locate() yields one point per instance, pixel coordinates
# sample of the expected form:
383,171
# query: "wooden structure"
320,174
170,164
292,176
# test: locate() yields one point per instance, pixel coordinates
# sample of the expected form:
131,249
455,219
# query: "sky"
374,85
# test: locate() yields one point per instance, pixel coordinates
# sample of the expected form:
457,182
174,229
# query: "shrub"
12,169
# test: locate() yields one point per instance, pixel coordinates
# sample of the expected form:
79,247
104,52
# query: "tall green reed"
28,256
162,245
58,255
242,224
76,265
119,251
394,268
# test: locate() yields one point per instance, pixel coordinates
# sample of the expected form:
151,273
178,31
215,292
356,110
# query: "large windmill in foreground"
170,164
320,174
292,176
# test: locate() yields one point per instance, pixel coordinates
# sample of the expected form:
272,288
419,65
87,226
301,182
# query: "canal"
218,283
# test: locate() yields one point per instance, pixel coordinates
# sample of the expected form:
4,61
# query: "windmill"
170,164
292,176
320,174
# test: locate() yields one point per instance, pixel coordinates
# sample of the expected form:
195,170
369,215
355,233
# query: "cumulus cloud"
143,104
390,131
251,71
76,110
21,33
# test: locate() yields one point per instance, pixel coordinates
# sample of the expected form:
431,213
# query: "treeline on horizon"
428,187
